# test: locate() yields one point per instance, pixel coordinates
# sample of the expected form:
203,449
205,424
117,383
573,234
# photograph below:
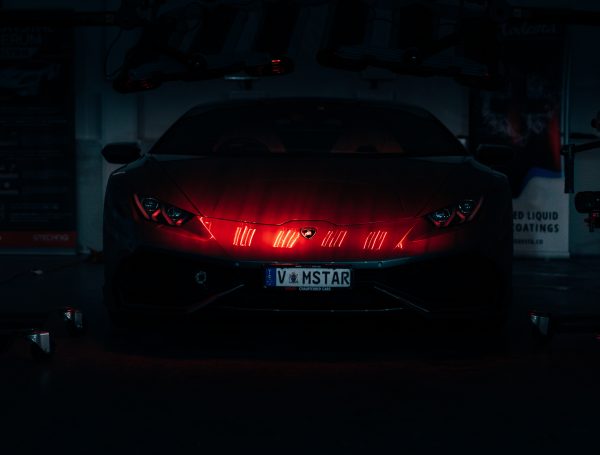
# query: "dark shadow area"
307,338
300,383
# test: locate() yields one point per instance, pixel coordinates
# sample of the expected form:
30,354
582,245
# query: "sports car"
310,205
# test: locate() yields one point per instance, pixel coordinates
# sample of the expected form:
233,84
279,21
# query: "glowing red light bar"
236,237
334,239
286,238
207,225
340,238
400,244
374,240
243,236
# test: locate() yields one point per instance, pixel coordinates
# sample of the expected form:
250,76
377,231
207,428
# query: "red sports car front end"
373,230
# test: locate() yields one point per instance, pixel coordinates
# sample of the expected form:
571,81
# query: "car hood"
277,189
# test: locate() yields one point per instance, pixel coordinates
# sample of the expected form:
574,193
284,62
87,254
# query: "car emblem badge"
308,232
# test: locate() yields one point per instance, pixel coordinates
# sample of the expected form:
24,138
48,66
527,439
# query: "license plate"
308,278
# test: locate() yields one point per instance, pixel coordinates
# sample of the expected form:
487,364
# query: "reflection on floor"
298,385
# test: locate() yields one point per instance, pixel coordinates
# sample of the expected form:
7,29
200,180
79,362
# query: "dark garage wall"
104,116
584,105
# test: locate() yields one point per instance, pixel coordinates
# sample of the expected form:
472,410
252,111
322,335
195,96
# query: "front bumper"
155,281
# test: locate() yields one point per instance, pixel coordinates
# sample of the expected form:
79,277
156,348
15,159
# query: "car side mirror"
121,152
494,155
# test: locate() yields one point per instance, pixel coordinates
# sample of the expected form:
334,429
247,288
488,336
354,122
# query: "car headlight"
461,212
155,210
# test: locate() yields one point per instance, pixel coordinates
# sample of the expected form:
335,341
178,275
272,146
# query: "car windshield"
309,128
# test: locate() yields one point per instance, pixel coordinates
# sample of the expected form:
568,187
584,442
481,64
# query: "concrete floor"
299,385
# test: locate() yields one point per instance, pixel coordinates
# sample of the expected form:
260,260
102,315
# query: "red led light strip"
333,239
340,238
207,225
243,236
374,240
286,239
400,244
327,237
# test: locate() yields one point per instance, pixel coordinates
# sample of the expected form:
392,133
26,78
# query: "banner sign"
526,116
541,219
37,140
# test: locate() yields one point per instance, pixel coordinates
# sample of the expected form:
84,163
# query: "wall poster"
37,139
527,116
